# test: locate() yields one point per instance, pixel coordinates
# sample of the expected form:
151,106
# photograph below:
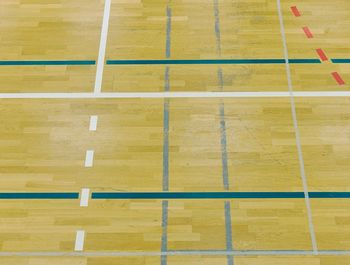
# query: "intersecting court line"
102,49
296,130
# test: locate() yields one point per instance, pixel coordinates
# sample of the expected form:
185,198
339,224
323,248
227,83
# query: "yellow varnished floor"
178,144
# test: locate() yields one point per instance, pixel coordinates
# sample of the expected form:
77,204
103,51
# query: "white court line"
79,240
93,123
297,134
84,197
89,158
102,49
173,95
180,253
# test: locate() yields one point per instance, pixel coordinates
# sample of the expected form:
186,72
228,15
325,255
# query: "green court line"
216,195
39,195
343,60
212,61
47,62
174,195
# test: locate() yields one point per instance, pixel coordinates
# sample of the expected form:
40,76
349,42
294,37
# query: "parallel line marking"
47,62
308,32
338,78
295,11
89,158
140,95
102,49
93,123
179,253
79,240
296,129
210,61
84,197
173,195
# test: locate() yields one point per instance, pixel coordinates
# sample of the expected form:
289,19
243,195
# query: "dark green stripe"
340,60
304,61
196,195
212,61
39,195
329,194
69,62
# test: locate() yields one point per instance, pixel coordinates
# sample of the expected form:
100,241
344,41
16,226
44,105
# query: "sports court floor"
174,132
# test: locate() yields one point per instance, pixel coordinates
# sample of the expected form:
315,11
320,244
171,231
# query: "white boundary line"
173,95
297,134
102,49
180,253
84,197
89,158
93,123
79,240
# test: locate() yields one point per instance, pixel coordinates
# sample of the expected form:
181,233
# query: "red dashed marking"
307,32
295,11
322,55
338,78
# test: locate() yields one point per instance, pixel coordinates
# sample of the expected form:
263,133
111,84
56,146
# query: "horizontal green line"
39,195
65,62
340,60
173,195
212,61
216,195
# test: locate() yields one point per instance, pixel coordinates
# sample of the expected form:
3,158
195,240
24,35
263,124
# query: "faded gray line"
223,139
296,128
164,232
217,26
165,204
168,31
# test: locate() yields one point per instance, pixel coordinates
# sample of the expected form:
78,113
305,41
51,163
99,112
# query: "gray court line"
165,204
180,253
297,134
168,30
217,26
227,204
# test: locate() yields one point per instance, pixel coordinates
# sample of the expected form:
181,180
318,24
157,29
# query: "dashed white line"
102,49
79,240
93,123
84,197
89,158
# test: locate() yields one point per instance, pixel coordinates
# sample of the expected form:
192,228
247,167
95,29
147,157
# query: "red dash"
308,32
295,11
338,78
322,55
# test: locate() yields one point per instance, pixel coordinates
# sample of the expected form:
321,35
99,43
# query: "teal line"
216,195
319,195
60,62
174,195
195,195
340,60
212,61
39,195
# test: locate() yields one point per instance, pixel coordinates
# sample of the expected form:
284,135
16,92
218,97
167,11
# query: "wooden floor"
290,156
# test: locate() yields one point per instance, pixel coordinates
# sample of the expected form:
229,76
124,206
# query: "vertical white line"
102,49
93,122
297,134
79,240
89,158
84,197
